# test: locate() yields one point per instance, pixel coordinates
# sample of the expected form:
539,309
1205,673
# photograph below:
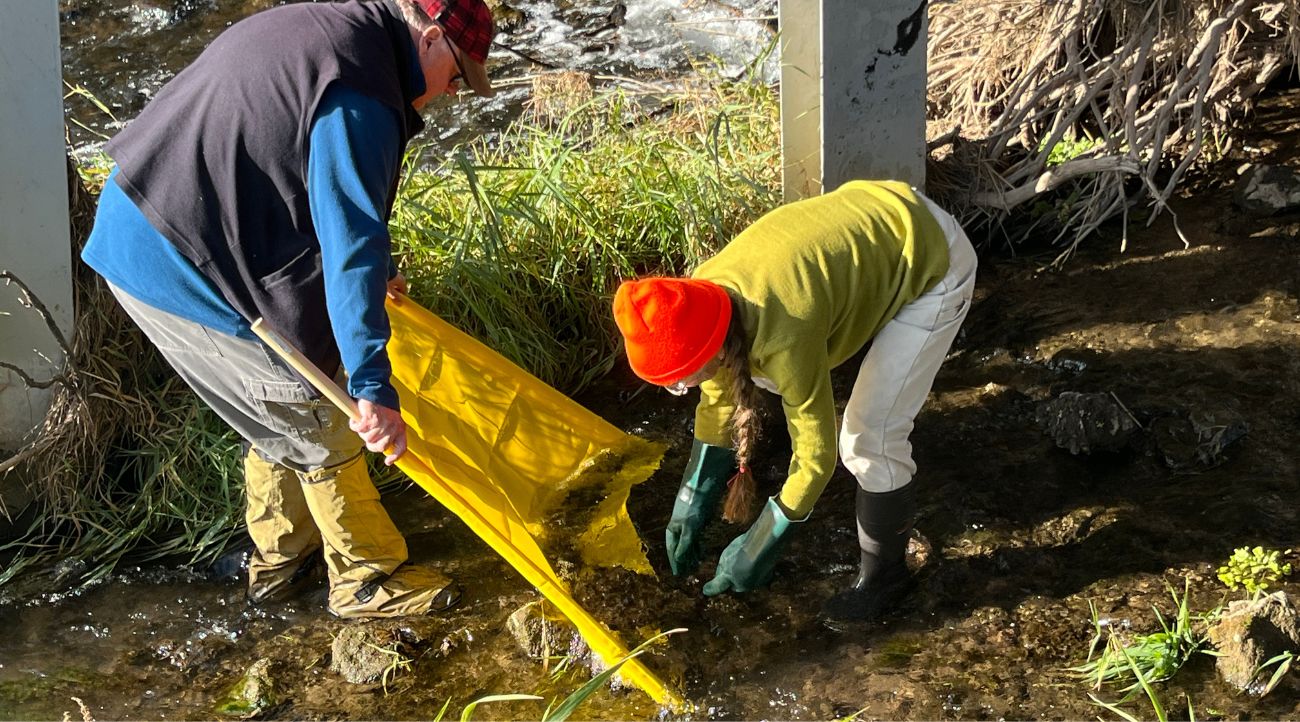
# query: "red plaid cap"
468,23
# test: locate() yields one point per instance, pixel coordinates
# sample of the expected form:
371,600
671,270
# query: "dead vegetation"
1103,104
90,397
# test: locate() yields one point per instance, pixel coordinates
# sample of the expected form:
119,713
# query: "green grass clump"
1133,659
173,487
522,239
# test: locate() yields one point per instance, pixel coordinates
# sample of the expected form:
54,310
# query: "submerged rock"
363,652
1083,423
1267,190
232,565
1195,442
255,693
545,635
1251,633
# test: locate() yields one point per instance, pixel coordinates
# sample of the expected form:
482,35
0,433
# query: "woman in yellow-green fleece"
796,294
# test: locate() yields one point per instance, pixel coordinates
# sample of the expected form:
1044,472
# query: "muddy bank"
1023,532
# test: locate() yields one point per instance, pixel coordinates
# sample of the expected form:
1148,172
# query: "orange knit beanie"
672,326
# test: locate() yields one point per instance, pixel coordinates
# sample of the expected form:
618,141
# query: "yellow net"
504,452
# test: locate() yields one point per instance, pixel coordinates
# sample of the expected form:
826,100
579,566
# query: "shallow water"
1022,534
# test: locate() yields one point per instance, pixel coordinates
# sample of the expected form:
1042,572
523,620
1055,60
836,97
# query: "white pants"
899,370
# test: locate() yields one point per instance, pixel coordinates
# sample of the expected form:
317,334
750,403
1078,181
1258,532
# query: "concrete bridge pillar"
853,78
34,233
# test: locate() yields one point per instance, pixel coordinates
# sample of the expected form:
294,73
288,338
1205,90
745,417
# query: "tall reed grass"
521,239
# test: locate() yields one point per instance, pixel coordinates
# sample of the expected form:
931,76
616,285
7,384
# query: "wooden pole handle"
306,369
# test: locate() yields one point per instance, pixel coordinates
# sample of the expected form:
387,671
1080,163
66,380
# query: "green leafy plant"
1156,707
1254,570
1136,661
1069,148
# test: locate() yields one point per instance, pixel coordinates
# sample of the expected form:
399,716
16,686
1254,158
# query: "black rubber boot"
884,525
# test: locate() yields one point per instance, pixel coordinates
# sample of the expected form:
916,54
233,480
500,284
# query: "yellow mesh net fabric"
504,451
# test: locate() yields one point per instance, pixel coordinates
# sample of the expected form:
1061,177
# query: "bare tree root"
1113,99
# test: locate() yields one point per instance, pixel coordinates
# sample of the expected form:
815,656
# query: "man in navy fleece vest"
258,182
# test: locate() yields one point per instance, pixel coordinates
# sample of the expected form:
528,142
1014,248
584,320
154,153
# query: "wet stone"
233,564
1266,190
1196,442
1251,633
919,551
254,694
363,652
1084,423
1070,528
192,653
544,635
508,19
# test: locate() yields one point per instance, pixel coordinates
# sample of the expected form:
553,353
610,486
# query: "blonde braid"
746,423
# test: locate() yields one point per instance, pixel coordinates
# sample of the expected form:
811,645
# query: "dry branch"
1053,178
1136,91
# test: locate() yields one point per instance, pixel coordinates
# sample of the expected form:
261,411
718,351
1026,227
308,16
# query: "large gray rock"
545,635
1250,633
1267,190
363,652
1083,423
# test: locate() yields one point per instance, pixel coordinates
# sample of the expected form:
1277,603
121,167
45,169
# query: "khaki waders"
306,482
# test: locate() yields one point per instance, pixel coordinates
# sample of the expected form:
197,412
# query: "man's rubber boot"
884,525
410,590
365,554
284,561
306,576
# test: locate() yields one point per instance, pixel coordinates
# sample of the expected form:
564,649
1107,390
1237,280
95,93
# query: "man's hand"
381,428
396,286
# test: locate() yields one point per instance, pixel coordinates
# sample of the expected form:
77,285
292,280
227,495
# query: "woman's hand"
381,428
749,560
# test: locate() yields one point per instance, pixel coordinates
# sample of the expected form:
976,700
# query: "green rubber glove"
697,498
748,560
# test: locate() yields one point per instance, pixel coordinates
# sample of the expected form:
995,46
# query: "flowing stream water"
122,52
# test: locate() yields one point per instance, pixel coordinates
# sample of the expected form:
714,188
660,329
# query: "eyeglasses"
460,75
677,389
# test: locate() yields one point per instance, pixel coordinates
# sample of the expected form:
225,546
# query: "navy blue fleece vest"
218,160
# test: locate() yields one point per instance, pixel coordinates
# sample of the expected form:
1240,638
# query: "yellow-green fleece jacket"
815,281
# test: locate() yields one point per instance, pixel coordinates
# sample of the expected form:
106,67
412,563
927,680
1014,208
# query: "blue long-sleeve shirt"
355,144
